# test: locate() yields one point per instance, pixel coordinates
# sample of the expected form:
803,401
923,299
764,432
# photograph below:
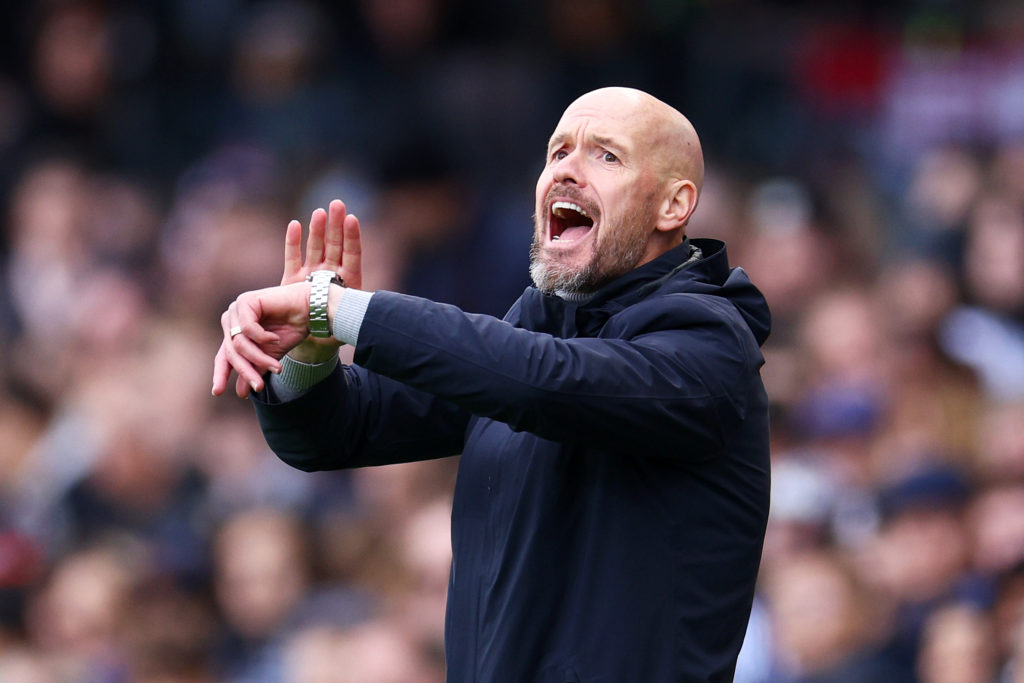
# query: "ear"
678,205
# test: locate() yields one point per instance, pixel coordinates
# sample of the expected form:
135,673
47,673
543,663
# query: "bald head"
622,176
665,135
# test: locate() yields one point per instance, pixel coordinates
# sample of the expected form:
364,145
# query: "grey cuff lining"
348,316
297,378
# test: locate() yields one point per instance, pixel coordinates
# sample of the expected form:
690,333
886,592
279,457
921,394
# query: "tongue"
574,232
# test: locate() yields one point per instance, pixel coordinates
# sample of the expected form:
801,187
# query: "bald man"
613,488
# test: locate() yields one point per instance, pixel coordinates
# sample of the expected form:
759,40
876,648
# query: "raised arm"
677,384
674,378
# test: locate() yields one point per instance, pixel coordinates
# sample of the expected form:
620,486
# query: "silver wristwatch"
319,290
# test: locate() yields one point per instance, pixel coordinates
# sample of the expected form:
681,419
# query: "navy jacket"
613,489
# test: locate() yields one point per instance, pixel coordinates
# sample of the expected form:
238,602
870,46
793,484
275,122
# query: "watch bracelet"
319,294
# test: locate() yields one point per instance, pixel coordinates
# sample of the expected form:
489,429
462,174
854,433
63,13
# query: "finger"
231,355
315,244
292,253
247,335
241,349
352,257
242,320
255,355
246,372
221,372
232,323
335,220
248,340
241,388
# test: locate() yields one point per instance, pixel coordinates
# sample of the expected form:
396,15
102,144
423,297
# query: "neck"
662,242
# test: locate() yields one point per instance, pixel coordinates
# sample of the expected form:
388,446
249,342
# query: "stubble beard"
617,250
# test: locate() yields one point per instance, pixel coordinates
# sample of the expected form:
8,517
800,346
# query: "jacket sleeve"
671,380
355,418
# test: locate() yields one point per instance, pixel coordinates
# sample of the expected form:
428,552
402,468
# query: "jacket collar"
548,313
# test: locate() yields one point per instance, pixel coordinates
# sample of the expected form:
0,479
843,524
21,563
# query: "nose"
567,170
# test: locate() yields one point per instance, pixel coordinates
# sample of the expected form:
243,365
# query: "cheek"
613,198
543,185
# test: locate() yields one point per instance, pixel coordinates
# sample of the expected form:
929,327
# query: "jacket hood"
674,272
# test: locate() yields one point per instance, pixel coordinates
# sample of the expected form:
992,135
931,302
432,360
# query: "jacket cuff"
348,316
297,378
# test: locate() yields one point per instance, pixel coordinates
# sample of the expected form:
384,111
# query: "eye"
559,154
610,158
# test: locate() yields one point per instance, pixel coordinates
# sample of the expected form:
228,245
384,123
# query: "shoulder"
700,328
679,310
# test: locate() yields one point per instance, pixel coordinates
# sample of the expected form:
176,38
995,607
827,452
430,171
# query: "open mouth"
569,222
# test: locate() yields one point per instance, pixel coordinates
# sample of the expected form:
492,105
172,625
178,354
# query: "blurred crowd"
865,165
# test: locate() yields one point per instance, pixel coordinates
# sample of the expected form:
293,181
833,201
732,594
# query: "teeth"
561,206
556,238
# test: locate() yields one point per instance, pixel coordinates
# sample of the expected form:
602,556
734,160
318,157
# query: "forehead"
604,118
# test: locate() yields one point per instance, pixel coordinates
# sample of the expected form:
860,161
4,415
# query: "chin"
551,273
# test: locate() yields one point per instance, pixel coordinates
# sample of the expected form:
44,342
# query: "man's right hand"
259,328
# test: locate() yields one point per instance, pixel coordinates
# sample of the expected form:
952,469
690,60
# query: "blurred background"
865,165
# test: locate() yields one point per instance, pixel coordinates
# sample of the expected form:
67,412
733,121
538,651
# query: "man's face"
596,199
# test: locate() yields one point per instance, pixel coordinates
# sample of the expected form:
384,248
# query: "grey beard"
550,277
611,260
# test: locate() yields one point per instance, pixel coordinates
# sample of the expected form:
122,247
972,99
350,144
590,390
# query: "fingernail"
255,385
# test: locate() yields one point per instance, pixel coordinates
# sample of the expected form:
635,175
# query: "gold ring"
237,329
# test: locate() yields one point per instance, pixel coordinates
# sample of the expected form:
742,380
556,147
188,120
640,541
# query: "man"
613,489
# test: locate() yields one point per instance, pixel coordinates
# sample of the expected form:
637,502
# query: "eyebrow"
613,143
556,139
602,140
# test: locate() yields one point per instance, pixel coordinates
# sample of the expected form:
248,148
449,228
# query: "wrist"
321,282
315,351
333,299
